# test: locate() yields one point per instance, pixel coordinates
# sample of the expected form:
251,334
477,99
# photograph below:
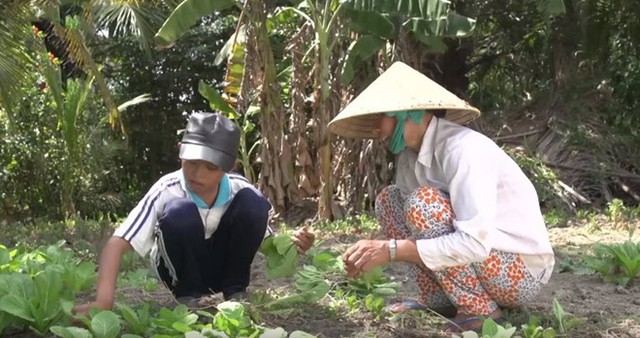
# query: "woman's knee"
431,203
428,212
389,196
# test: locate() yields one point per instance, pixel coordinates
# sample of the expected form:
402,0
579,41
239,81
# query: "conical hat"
399,88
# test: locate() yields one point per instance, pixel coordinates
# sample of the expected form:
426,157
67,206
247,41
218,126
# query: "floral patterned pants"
475,288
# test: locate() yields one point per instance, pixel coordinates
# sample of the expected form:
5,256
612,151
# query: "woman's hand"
304,239
365,255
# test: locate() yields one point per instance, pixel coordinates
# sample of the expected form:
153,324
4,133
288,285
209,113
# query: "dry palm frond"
308,180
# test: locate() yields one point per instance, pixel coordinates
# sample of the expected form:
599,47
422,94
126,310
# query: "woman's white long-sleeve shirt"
495,204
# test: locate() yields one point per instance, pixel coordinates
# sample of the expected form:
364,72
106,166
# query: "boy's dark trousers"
219,264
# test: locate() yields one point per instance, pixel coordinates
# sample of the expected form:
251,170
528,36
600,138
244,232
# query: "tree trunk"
307,179
322,113
276,174
563,43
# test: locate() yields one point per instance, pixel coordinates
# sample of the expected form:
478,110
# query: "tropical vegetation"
94,94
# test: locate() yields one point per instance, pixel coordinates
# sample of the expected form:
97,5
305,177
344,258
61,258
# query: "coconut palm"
71,27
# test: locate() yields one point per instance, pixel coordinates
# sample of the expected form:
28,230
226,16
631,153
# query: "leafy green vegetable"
232,320
71,332
174,322
326,261
534,330
311,283
282,256
373,281
618,263
105,324
138,321
38,301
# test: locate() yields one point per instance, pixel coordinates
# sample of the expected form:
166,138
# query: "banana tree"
382,22
324,20
229,102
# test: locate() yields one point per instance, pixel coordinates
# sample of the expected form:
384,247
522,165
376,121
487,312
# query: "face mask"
397,143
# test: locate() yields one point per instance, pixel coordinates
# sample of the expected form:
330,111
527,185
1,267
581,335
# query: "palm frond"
14,60
131,18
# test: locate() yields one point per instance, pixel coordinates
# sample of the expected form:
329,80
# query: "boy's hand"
304,239
83,309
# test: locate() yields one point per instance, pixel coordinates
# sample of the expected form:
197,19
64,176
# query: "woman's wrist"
407,251
393,249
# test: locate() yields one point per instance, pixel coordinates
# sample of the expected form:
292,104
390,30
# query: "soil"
598,309
608,310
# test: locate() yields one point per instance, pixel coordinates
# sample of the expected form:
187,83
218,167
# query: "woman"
461,209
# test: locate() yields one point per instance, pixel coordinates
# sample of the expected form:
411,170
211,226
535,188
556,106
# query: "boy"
202,225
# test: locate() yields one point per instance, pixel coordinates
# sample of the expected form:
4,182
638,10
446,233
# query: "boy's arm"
108,270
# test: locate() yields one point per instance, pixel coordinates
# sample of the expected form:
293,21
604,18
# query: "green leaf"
133,320
553,7
458,25
239,37
186,15
71,332
373,23
558,312
267,246
84,276
325,261
48,290
454,25
231,319
489,328
319,291
374,303
7,320
279,265
181,327
4,255
432,41
17,306
216,101
282,243
549,333
360,50
105,324
384,291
